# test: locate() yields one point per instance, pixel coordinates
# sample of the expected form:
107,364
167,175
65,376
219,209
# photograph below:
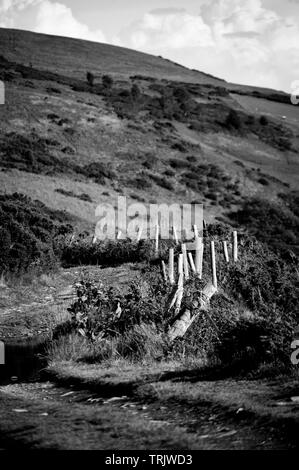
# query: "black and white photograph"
149,228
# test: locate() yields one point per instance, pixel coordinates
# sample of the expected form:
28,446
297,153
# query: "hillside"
72,57
160,133
118,350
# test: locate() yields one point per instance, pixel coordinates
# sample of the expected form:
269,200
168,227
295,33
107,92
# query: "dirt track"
43,415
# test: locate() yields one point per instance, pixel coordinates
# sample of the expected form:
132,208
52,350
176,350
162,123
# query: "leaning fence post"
72,239
180,292
235,246
164,271
225,250
118,235
199,247
213,263
171,266
191,262
185,261
195,231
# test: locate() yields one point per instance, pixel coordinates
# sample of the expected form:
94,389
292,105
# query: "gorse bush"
111,252
107,81
274,224
233,120
30,234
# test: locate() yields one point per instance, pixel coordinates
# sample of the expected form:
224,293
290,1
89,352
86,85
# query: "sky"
253,42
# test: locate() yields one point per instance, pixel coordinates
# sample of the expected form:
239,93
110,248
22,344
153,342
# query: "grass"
83,427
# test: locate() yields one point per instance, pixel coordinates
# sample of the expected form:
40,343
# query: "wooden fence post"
164,271
235,246
139,233
118,235
72,239
213,264
181,324
185,261
157,240
175,235
199,247
191,262
180,293
195,231
225,250
171,266
180,265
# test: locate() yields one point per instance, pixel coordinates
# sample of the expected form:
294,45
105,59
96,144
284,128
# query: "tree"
90,78
107,81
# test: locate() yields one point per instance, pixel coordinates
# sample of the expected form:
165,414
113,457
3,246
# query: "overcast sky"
254,42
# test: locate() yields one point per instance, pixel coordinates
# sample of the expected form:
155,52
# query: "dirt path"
43,415
30,310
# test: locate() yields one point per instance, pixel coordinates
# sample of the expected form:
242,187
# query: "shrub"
233,120
162,181
264,121
107,82
135,92
181,94
90,78
263,181
30,153
177,164
273,224
98,171
30,234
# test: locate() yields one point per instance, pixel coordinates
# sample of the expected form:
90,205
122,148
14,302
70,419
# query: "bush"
273,224
107,82
90,78
30,234
264,121
162,181
135,92
263,181
98,171
233,120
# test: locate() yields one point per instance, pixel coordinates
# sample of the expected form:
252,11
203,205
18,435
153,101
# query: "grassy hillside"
160,133
72,57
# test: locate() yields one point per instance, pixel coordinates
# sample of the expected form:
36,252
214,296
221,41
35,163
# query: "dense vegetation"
277,225
249,325
29,234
